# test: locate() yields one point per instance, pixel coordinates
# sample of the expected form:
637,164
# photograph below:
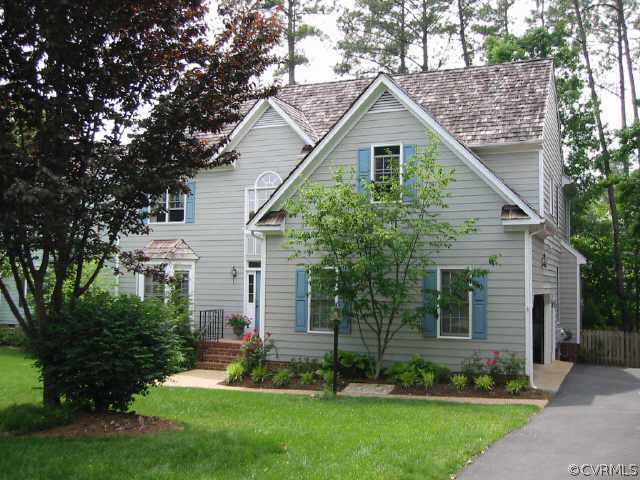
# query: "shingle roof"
491,104
175,249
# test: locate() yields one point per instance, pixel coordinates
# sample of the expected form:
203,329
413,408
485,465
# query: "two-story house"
498,127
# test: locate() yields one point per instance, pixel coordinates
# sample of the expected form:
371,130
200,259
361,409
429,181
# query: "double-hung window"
322,309
385,171
150,286
455,314
168,208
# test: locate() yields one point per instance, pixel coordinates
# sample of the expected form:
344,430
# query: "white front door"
250,298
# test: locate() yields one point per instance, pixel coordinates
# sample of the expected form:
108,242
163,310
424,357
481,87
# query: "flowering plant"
255,349
494,363
238,323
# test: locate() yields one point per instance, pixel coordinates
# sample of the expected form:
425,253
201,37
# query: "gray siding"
217,234
471,197
6,316
553,165
519,170
569,294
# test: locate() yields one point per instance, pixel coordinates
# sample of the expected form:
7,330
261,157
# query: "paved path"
594,419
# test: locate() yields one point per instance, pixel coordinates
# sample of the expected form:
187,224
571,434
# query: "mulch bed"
445,390
110,424
294,385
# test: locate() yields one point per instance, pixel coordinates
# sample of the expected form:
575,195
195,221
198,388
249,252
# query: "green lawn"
237,435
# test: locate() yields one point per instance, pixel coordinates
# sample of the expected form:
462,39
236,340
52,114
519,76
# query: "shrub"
351,364
484,383
282,378
259,375
304,365
187,340
511,364
12,336
254,350
29,418
307,378
417,364
234,373
408,379
473,365
517,385
428,378
114,348
459,381
327,377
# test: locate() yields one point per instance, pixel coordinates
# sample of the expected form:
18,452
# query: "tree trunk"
623,100
403,38
462,32
291,42
606,170
50,395
425,39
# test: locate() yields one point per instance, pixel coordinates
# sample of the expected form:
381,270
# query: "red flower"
496,353
491,362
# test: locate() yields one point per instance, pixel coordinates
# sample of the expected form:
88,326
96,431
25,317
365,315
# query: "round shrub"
235,372
484,383
107,349
282,378
459,381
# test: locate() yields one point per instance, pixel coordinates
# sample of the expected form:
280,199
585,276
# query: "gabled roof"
483,105
173,250
386,83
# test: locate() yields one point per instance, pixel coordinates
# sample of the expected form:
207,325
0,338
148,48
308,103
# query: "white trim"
263,285
578,303
581,259
541,182
438,286
167,210
294,126
362,103
372,161
528,305
321,332
272,172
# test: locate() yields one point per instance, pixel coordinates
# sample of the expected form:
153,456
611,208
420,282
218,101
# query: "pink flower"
496,353
491,362
268,334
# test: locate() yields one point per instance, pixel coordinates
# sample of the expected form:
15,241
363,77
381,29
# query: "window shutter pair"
364,166
479,307
302,305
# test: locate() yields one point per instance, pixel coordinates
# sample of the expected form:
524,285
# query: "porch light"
544,260
234,273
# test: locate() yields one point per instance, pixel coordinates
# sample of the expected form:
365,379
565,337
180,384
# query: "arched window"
263,187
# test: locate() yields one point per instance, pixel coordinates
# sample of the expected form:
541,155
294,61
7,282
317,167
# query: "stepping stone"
368,389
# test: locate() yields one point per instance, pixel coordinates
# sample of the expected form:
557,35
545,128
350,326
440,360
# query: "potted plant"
238,322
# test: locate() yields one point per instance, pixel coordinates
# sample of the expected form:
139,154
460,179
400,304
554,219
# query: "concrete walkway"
594,419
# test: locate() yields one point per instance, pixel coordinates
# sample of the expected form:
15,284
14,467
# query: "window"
455,316
171,206
182,284
386,167
150,286
321,309
252,289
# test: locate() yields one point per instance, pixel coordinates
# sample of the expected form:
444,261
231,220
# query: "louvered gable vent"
386,103
270,118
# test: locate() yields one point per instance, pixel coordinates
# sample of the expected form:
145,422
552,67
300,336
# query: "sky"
323,56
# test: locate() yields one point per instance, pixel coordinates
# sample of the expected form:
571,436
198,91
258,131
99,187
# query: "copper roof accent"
513,212
169,250
271,219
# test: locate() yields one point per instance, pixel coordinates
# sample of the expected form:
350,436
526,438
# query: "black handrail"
211,325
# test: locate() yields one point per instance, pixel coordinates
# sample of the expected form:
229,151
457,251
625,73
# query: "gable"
386,103
270,118
361,106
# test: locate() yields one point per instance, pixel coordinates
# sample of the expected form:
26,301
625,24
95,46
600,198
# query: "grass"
238,435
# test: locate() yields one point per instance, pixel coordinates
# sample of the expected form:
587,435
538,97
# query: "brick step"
211,365
219,358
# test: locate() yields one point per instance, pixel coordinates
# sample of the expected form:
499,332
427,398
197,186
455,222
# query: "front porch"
549,377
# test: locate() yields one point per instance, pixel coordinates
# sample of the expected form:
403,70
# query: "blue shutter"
479,312
345,322
145,212
364,167
410,183
302,290
429,288
190,216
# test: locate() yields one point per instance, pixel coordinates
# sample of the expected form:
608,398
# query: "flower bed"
446,390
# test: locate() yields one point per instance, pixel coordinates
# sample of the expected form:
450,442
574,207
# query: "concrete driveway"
594,419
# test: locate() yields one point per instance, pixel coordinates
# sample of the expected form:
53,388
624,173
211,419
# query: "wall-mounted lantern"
234,273
544,260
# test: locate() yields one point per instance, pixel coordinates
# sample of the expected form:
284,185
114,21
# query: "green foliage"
517,386
473,365
254,350
307,378
351,364
484,383
428,378
417,365
378,252
511,364
304,365
408,379
28,418
12,336
114,348
327,377
234,372
459,381
282,378
259,375
180,310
